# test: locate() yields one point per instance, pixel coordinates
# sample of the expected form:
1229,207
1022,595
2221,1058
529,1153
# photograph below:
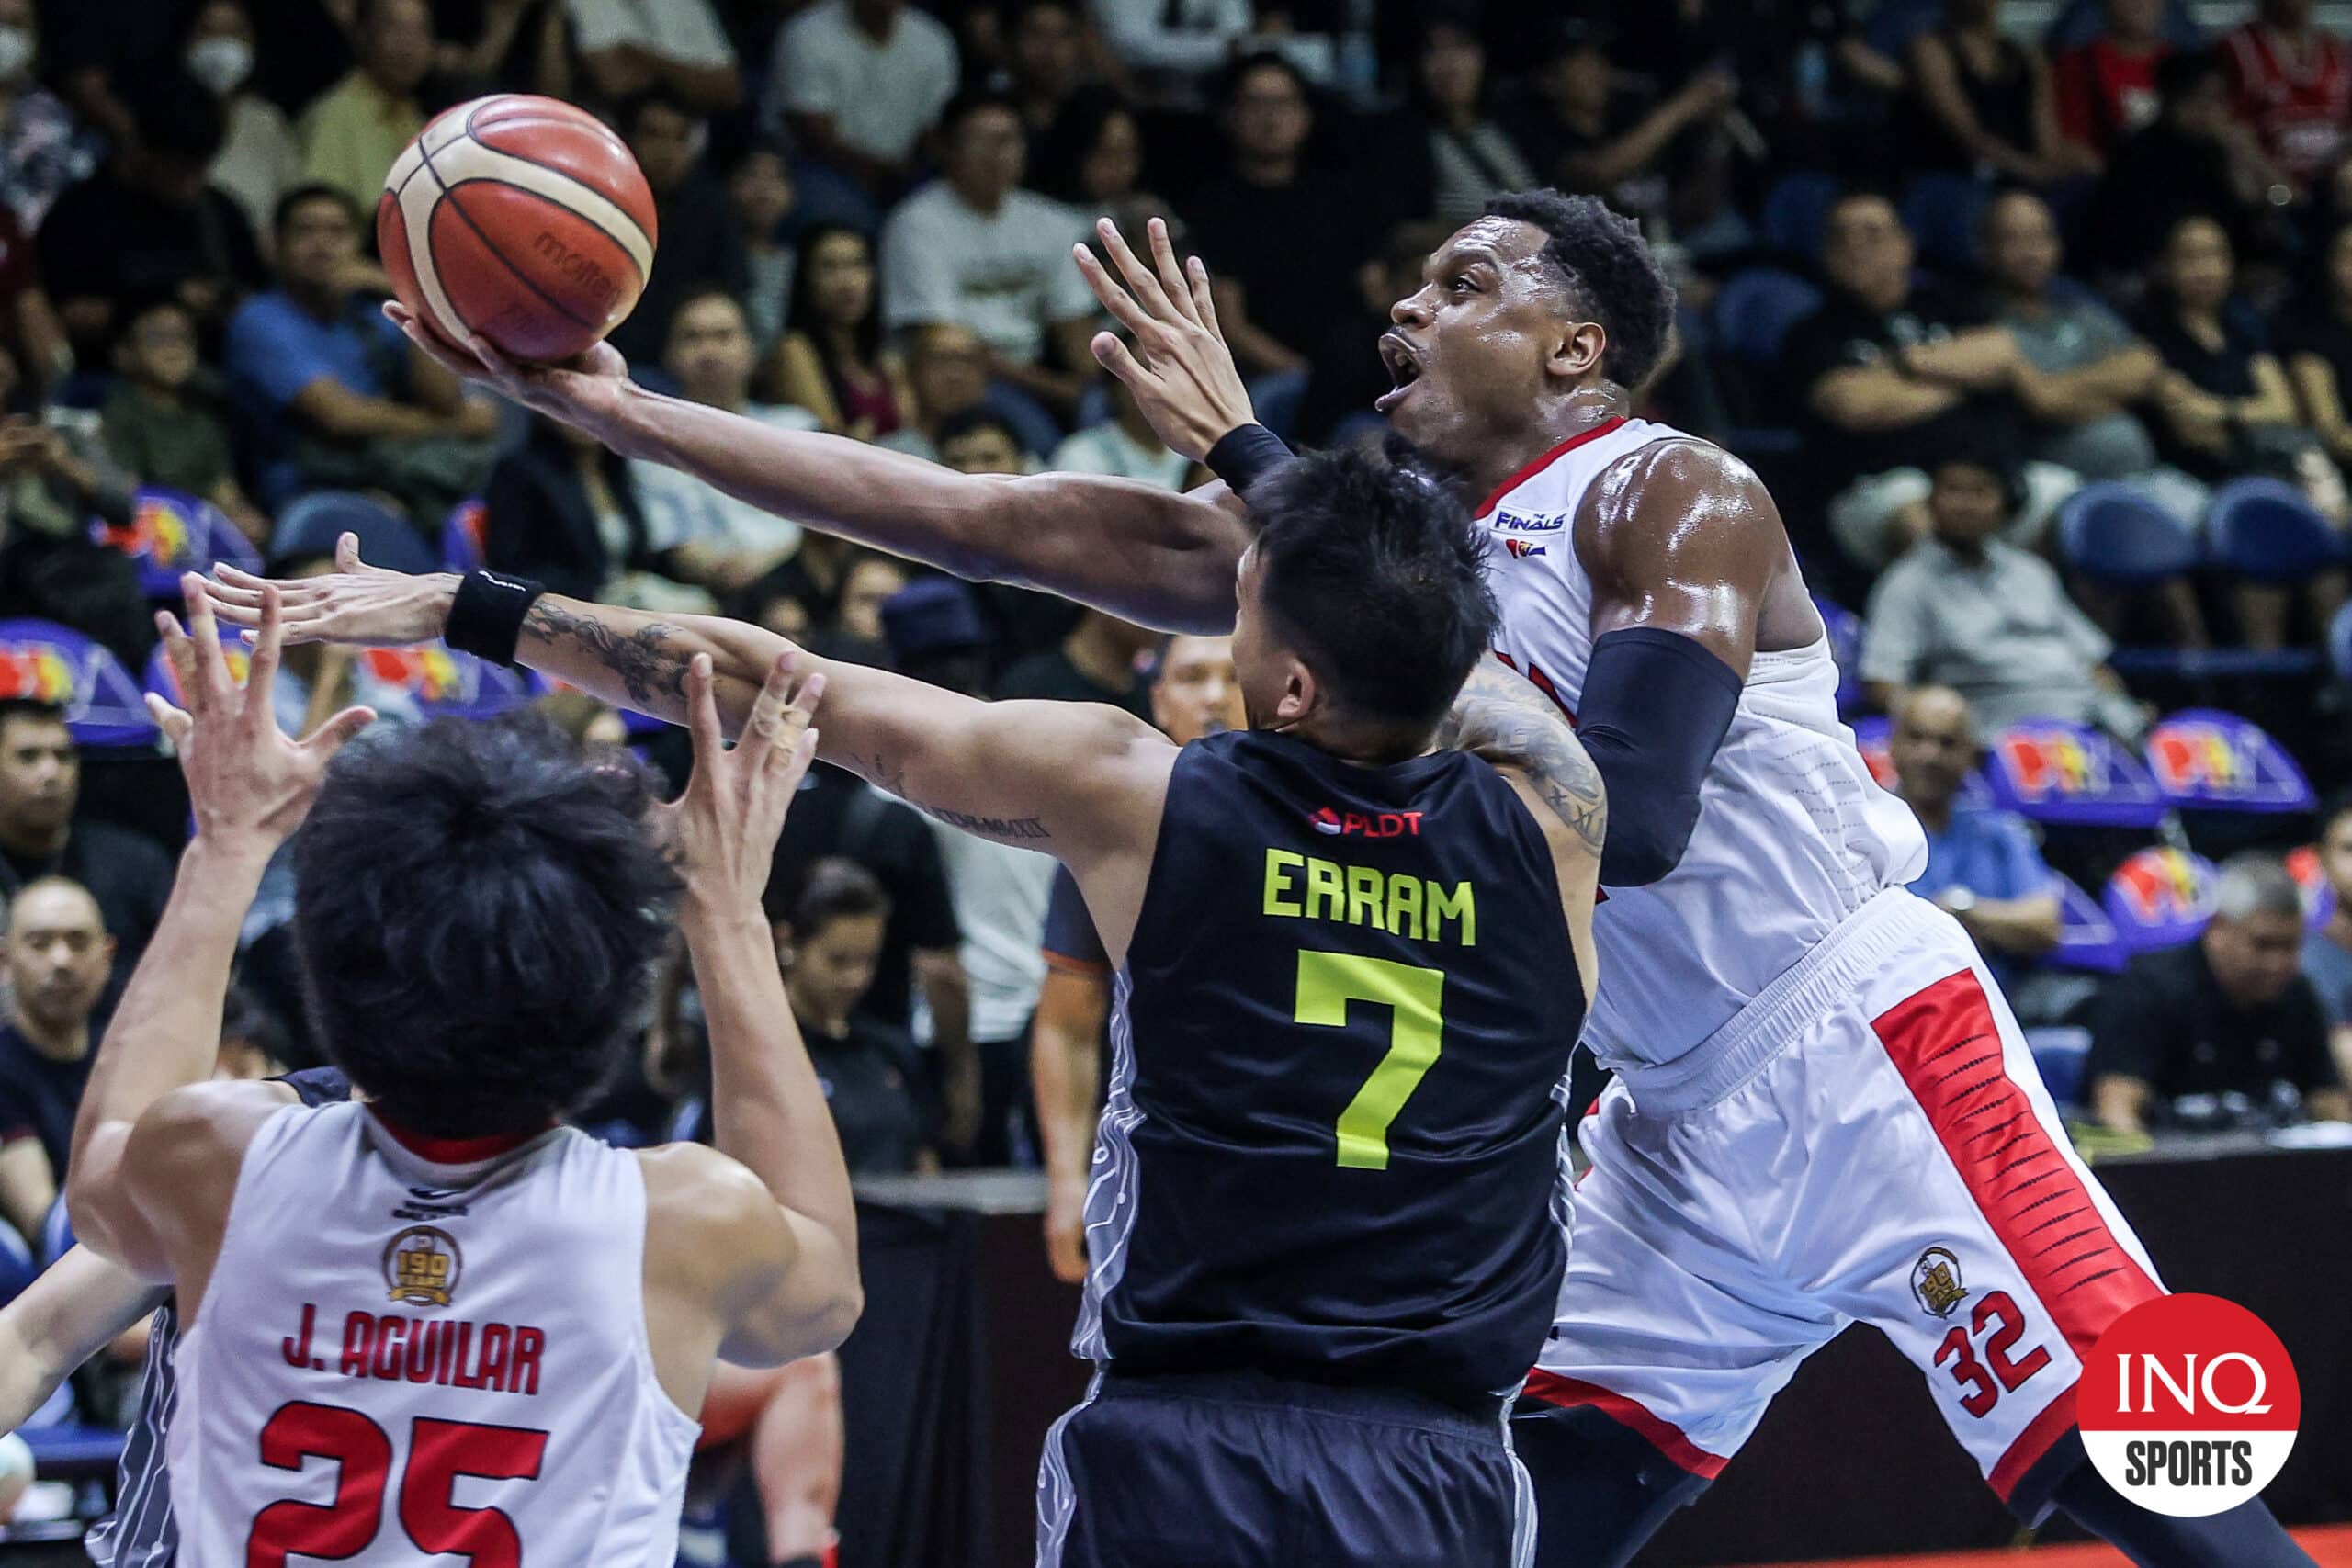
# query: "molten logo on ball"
580,269
2188,1405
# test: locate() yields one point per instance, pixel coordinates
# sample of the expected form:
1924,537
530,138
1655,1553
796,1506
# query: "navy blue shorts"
1242,1471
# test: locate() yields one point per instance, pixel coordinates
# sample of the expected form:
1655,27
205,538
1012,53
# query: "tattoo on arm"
890,777
649,666
1508,723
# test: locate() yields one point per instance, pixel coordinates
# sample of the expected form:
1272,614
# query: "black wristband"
486,618
1247,454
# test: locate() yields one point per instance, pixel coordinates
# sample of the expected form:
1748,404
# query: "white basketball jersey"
1792,834
397,1360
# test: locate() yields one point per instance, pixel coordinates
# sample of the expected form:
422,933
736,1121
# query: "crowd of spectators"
1996,270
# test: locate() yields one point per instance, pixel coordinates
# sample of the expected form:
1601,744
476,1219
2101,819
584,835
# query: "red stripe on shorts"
2056,1419
1946,1044
1660,1434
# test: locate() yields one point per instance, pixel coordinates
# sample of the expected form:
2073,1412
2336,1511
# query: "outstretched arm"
76,1307
1136,550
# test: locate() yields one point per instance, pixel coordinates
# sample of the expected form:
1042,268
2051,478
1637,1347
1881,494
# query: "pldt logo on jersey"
1369,825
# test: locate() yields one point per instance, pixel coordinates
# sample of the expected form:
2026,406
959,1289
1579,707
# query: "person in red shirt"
2107,88
2291,83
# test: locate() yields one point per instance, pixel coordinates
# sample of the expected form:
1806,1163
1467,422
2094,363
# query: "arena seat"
2339,644
2060,1053
1945,214
2265,529
1755,307
310,525
465,537
2111,533
1796,211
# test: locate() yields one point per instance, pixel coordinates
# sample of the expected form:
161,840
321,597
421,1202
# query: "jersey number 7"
1415,999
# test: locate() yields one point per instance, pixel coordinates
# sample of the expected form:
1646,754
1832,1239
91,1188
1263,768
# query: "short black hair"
29,707
836,888
1229,85
971,421
304,195
177,116
971,101
1609,268
694,296
478,910
1374,573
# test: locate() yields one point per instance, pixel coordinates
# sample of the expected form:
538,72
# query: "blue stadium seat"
310,525
2264,529
1796,211
1755,307
2112,533
1944,213
2060,1053
2339,644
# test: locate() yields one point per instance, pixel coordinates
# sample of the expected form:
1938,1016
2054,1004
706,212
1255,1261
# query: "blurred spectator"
1348,372
2227,402
1095,663
831,948
702,243
253,1043
628,47
1026,621
2316,339
58,956
41,782
2224,1029
1983,104
590,721
147,223
760,193
1175,38
973,247
2327,952
260,161
2081,372
979,441
1046,65
1967,610
1092,159
563,509
2193,159
857,82
2106,89
42,148
1581,133
1894,374
1982,867
1470,157
2291,81
1284,243
947,370
163,421
1195,694
838,814
712,539
355,133
1125,445
485,44
869,581
831,360
331,394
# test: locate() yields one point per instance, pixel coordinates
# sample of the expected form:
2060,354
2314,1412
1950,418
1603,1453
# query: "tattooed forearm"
890,777
1506,721
652,670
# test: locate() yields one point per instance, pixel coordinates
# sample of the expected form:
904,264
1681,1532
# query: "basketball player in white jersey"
1823,1110
431,1320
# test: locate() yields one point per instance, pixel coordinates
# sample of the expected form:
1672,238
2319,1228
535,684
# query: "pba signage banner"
2160,897
2311,875
445,683
2086,937
45,661
2206,758
165,681
171,532
2071,775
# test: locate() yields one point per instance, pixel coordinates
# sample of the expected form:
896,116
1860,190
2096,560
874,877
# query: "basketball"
521,218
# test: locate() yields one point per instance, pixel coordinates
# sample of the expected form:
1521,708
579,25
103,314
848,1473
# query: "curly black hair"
1374,574
477,911
1610,269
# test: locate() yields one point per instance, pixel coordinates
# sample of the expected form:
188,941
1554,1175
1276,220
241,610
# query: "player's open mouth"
1404,369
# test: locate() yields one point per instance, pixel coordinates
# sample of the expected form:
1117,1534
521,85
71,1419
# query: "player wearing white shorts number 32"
1823,1112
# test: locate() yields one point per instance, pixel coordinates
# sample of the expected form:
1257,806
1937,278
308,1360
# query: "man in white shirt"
857,83
628,47
1124,446
712,539
975,248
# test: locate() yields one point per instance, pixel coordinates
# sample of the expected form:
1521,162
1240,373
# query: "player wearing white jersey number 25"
434,1320
1823,1112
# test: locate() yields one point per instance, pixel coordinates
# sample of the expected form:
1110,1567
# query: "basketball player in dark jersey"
1325,1222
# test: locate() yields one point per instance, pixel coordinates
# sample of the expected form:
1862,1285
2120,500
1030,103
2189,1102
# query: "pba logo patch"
1522,548
2188,1405
1934,1282
421,1265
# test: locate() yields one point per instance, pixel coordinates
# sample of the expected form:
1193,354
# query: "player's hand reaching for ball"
247,784
726,824
362,605
584,391
1181,371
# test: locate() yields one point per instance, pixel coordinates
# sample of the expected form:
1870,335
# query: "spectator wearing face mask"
260,161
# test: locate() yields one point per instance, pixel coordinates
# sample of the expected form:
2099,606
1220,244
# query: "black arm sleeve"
1655,706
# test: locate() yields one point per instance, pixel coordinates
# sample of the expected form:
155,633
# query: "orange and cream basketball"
521,218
